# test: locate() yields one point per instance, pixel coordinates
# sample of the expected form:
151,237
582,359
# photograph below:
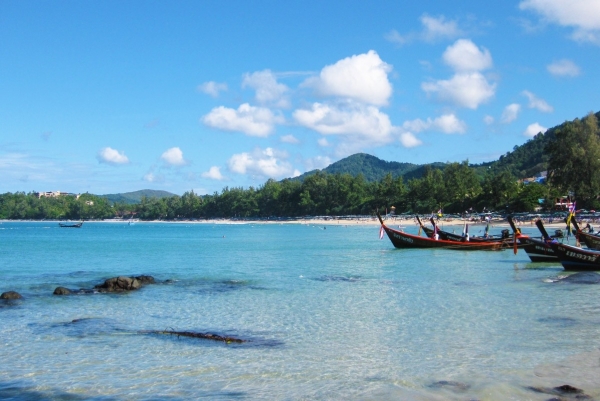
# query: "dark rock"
583,278
145,279
119,284
122,283
450,384
568,389
10,295
61,291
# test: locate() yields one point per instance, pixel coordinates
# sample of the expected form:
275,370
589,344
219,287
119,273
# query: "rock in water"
583,278
119,284
61,291
10,295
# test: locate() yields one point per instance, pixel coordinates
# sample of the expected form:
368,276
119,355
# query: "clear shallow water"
329,314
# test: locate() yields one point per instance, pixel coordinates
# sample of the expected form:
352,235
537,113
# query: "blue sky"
116,96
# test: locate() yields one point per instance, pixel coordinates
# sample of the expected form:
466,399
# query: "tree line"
573,163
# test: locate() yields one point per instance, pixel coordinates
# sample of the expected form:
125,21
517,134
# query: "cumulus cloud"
112,156
252,121
447,123
317,162
173,157
362,77
214,173
465,89
151,177
289,139
352,120
409,140
488,120
582,15
510,113
267,162
434,28
212,88
563,68
534,129
465,56
268,90
537,103
323,142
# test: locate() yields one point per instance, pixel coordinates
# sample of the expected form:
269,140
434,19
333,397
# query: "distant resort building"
56,194
540,178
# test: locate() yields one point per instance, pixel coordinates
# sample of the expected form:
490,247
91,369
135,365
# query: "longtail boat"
592,241
401,239
537,250
70,225
445,235
572,257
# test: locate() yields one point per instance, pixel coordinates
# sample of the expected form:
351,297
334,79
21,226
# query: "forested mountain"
136,196
373,168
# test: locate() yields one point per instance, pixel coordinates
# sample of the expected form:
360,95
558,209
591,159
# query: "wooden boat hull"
590,240
539,251
401,239
577,259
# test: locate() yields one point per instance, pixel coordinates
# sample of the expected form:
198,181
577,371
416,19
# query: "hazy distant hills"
136,196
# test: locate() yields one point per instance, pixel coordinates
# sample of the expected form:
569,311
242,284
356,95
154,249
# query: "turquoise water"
329,313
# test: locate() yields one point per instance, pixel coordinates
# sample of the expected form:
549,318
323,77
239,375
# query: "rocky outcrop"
122,283
114,284
10,295
62,291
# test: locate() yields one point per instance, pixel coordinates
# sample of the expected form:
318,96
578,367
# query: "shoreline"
365,221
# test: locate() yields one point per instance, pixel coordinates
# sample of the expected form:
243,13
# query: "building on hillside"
55,194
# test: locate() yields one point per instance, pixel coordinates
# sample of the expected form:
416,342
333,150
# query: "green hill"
136,196
523,161
372,168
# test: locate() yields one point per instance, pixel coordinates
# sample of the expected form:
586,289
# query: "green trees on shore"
570,151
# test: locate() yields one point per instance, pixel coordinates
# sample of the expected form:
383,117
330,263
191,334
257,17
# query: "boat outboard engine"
505,234
558,234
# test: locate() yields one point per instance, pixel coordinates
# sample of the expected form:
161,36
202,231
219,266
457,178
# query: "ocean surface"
326,312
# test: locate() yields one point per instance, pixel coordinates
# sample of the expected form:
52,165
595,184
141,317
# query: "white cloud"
465,56
488,120
212,88
433,30
358,123
464,89
268,90
214,173
534,129
409,140
323,142
317,162
253,121
563,68
537,103
173,157
362,77
447,123
111,156
289,139
151,177
263,163
582,15
510,113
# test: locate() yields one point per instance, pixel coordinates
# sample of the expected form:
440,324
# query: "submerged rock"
583,278
62,291
450,384
566,390
10,295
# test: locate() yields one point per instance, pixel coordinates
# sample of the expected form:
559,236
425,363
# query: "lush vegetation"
569,152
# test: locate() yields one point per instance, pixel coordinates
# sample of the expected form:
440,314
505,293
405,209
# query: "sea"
325,312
